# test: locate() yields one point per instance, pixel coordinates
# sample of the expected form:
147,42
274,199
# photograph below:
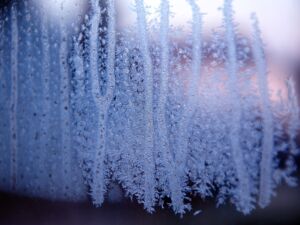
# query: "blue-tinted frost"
161,112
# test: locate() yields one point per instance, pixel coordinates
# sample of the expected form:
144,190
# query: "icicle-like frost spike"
243,196
111,51
265,185
294,117
176,191
1,49
79,96
79,67
93,37
65,109
46,97
97,189
14,96
3,109
149,192
98,186
192,97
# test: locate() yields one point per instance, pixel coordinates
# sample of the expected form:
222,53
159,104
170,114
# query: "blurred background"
279,21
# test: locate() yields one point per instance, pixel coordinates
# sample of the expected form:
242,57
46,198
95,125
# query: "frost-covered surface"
165,114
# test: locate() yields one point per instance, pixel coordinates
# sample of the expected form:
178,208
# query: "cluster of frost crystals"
163,113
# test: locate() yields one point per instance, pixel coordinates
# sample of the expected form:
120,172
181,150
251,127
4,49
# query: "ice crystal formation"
166,119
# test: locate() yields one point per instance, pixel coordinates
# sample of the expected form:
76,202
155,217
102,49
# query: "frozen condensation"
164,113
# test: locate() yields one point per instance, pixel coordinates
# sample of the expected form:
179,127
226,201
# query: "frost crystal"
162,112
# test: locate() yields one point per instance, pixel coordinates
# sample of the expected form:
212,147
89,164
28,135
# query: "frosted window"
164,111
